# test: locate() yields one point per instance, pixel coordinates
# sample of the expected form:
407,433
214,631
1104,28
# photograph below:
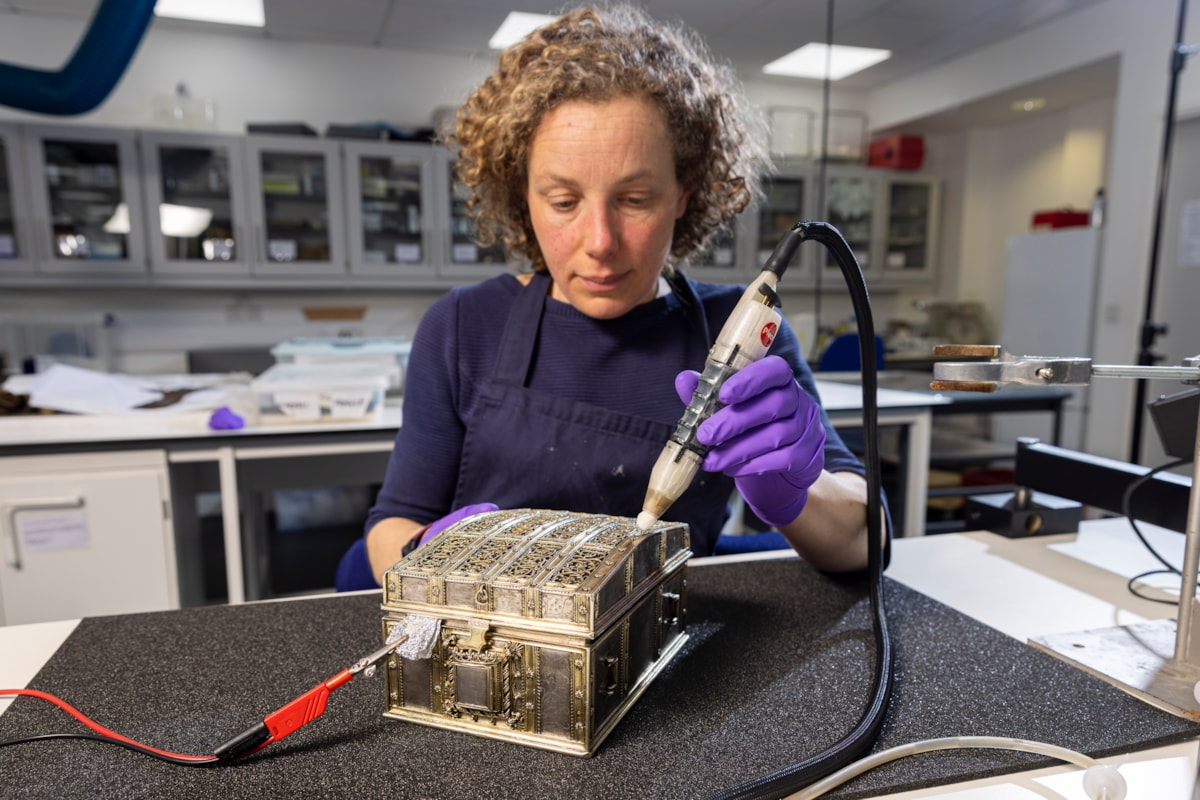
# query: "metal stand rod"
1186,639
1150,330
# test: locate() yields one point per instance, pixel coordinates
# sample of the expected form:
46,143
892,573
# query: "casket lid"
531,563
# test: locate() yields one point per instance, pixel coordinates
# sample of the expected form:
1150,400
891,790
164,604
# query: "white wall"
1141,34
250,79
1046,162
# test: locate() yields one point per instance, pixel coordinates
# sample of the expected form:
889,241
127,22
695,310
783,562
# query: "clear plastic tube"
1101,782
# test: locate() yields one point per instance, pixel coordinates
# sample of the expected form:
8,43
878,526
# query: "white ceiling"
920,33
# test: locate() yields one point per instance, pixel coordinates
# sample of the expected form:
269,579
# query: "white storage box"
295,393
388,353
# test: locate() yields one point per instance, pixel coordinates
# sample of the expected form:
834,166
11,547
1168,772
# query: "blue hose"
93,70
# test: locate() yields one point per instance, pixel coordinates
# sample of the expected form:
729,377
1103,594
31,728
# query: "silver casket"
552,624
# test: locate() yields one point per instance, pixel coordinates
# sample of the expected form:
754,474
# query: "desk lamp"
1137,658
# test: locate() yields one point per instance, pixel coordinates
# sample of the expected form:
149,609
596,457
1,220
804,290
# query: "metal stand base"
1137,658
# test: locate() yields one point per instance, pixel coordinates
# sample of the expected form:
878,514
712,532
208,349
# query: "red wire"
97,727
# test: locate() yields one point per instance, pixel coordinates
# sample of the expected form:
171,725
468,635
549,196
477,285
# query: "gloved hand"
458,515
768,437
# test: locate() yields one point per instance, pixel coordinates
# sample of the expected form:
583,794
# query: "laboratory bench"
963,458
117,530
759,685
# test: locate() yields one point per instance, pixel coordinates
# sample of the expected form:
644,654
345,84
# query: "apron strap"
690,301
521,332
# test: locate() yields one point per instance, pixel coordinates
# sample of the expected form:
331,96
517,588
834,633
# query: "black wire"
858,742
1127,510
95,737
1136,593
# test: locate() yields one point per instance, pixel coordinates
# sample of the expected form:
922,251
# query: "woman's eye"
562,204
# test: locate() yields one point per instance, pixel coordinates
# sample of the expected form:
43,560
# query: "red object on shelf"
897,152
1060,218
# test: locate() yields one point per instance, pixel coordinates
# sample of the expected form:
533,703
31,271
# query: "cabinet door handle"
12,554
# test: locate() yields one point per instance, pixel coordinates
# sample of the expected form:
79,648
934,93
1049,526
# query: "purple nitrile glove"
440,525
768,437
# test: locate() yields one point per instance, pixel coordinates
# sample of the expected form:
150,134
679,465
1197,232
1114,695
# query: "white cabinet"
390,203
296,208
853,205
463,258
16,247
738,255
907,240
888,219
788,200
297,211
86,201
197,204
84,535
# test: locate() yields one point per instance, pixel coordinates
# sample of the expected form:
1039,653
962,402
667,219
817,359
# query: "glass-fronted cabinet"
16,256
196,203
389,203
87,207
786,204
296,206
464,256
852,202
722,260
908,241
721,253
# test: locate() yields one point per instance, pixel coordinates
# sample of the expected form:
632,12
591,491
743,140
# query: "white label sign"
66,530
299,405
281,250
348,404
408,253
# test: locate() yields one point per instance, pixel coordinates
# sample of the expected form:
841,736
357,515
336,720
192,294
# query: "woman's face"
603,201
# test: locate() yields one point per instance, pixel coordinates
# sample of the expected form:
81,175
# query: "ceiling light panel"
815,58
226,12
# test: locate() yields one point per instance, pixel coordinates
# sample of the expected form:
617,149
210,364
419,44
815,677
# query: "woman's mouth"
601,283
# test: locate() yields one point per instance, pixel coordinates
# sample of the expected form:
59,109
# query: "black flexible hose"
862,737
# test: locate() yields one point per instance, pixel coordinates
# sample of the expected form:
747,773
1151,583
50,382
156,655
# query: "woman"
605,149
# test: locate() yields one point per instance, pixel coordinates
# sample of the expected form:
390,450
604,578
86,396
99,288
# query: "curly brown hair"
596,55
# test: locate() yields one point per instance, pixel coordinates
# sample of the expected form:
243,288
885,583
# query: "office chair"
841,354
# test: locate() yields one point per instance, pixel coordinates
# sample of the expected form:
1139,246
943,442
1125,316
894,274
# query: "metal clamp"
1002,368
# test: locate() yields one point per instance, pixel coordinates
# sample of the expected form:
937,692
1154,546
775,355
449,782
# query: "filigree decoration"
581,566
530,563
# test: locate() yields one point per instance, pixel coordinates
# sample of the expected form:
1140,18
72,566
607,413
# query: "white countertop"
164,424
846,395
158,425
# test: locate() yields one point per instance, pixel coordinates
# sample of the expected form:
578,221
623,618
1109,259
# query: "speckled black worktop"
776,668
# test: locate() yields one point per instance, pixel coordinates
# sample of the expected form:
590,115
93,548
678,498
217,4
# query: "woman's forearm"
831,531
386,542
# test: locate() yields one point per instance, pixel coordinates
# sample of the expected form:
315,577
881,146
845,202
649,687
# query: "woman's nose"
601,233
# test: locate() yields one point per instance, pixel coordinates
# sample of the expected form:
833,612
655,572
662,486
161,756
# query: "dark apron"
529,449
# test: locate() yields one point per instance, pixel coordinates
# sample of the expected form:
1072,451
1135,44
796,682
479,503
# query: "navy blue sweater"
626,364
